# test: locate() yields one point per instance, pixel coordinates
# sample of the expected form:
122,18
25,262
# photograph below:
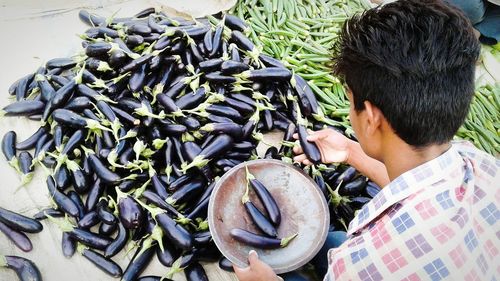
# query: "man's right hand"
334,147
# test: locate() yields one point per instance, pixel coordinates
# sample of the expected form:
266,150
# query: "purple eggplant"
226,264
89,220
156,200
102,171
168,255
218,77
195,272
346,176
177,234
80,181
23,108
96,191
258,241
31,141
359,201
310,149
50,212
26,166
19,222
78,202
62,178
257,217
270,61
210,65
191,99
270,74
68,245
130,212
235,23
202,238
265,198
242,41
232,129
230,67
118,243
62,200
103,263
354,187
186,192
25,269
9,148
105,214
141,259
372,189
17,237
152,278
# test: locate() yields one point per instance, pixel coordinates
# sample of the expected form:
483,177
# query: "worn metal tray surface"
303,211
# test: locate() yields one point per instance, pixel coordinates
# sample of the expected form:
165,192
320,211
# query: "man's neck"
399,157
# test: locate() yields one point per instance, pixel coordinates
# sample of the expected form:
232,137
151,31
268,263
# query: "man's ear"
374,118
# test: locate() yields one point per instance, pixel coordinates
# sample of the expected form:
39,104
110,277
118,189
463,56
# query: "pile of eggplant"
137,127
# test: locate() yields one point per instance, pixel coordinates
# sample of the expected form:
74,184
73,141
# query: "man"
484,15
409,66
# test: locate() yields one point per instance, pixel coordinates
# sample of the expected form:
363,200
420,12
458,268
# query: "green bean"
314,75
308,47
486,105
301,33
321,94
282,19
327,40
299,24
281,32
257,17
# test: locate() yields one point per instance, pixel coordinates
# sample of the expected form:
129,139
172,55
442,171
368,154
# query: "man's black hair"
415,60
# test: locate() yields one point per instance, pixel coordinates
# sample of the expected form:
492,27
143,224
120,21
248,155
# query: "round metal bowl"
303,211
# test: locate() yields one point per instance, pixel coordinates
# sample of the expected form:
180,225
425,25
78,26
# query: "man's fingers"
297,150
295,136
240,272
300,158
253,257
318,135
307,162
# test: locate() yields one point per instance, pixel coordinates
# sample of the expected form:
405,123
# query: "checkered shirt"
439,221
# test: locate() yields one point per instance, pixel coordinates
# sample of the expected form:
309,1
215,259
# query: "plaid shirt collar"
405,185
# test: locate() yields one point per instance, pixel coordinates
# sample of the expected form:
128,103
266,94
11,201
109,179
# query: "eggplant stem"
80,248
248,175
146,244
199,161
203,225
64,225
174,269
25,179
153,210
14,163
182,219
157,235
138,192
286,240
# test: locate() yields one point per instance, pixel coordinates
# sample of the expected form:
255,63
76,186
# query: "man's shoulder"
468,150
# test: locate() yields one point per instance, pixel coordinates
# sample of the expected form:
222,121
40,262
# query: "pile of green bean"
300,34
482,126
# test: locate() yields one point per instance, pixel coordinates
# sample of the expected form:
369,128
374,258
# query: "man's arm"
337,148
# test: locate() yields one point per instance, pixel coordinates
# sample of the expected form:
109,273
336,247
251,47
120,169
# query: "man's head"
413,62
